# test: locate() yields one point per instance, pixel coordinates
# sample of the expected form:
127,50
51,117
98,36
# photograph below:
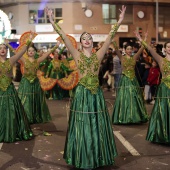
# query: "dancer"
129,105
57,69
90,141
158,130
29,90
14,124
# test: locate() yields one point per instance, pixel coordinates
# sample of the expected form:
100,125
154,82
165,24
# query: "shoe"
152,102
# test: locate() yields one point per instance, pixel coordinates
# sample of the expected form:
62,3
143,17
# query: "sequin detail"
90,66
166,72
128,67
30,70
5,81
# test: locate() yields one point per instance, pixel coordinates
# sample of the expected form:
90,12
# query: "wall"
73,14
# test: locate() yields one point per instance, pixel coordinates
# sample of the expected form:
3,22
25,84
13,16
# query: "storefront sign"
44,28
123,28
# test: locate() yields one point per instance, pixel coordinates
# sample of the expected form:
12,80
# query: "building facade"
95,17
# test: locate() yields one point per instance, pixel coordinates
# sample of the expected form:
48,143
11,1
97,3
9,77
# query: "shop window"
40,17
111,13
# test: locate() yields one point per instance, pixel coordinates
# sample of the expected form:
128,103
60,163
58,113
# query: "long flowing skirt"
129,105
33,100
14,124
90,141
159,125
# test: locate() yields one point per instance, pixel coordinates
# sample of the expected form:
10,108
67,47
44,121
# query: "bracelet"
114,29
115,45
58,29
144,44
54,48
10,48
28,42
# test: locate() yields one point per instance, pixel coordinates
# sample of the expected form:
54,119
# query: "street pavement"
45,150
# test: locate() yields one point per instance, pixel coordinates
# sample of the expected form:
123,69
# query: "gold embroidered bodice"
5,75
166,72
56,64
30,69
128,67
88,68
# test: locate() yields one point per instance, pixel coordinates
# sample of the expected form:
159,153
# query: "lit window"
40,17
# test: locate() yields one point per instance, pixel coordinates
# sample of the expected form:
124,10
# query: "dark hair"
32,45
83,34
136,45
166,44
127,45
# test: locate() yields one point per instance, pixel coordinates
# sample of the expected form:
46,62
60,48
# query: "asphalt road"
45,151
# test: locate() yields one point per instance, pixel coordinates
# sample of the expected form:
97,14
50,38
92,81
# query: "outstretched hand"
122,14
50,14
138,35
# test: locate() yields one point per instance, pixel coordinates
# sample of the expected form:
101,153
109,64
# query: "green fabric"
91,82
90,141
159,125
30,69
5,69
14,124
128,67
129,104
57,93
33,100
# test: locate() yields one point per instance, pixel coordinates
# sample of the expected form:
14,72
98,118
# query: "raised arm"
136,56
19,54
9,46
103,49
156,56
45,55
74,52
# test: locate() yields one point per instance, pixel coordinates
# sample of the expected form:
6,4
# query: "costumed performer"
14,124
89,142
30,91
129,107
158,129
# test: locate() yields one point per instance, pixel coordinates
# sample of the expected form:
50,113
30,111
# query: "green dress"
57,69
14,124
31,94
159,125
129,105
89,141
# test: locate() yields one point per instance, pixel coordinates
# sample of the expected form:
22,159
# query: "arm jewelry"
28,43
10,48
115,45
114,29
144,44
58,30
54,48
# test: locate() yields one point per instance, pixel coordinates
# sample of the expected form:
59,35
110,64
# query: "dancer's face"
167,49
128,50
3,50
31,52
56,55
87,41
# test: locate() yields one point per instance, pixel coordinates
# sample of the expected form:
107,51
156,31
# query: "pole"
157,21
